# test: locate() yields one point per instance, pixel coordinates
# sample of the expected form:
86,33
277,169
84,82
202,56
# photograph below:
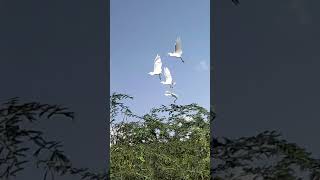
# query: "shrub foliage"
169,142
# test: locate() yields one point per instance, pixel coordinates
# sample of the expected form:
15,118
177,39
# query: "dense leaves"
169,142
172,142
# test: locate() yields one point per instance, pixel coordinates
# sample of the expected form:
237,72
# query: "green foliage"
145,148
170,142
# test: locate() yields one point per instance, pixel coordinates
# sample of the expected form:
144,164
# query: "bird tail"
151,73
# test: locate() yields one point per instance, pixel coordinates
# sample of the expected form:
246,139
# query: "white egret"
177,50
157,68
168,77
168,93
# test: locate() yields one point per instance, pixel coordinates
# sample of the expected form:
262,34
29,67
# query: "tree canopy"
169,142
172,142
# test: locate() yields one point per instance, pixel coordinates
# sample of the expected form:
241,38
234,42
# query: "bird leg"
160,77
182,59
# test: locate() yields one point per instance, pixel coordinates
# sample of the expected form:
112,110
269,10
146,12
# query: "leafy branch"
17,141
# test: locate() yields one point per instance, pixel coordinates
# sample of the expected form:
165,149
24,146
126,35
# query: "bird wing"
157,64
177,47
167,74
167,93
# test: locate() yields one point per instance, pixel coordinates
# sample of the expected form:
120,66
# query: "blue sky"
142,29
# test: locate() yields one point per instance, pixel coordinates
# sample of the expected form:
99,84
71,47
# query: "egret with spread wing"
177,50
157,68
168,93
168,77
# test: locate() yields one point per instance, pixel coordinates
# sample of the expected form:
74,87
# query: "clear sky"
142,29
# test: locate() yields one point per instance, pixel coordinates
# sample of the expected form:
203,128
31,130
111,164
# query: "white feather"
168,77
157,68
177,49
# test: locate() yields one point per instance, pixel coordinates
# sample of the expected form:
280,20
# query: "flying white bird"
157,68
168,93
168,77
177,50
